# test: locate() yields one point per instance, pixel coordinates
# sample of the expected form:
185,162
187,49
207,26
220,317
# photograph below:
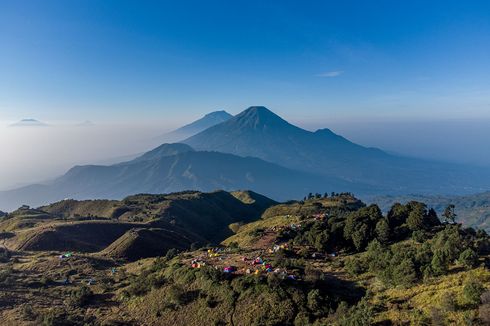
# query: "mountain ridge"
258,132
207,121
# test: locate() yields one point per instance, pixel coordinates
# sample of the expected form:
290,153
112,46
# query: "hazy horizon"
38,154
411,78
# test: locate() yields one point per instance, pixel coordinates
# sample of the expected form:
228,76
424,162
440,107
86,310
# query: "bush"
448,302
404,273
468,258
235,227
358,315
484,309
6,276
28,312
80,296
419,236
171,253
175,294
472,291
355,266
4,255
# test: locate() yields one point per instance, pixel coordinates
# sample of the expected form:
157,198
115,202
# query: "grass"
428,295
245,236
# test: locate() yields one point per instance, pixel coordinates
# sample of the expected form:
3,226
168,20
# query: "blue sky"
306,60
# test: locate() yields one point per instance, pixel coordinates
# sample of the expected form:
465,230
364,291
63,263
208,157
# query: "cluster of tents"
320,216
197,263
66,255
276,248
215,252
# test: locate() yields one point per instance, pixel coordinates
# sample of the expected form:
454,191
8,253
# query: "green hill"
322,261
92,225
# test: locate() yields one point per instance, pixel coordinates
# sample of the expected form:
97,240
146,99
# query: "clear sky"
306,60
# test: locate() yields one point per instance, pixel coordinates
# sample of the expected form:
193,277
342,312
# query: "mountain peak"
28,123
260,117
208,120
258,110
220,114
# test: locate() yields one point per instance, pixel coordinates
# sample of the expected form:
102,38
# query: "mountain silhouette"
258,132
171,168
195,127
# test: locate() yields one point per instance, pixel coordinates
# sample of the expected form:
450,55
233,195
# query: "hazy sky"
410,77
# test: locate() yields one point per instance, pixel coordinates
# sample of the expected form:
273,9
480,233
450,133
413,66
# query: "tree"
397,215
415,220
404,273
377,257
360,226
383,231
468,258
314,300
449,214
359,315
439,264
448,241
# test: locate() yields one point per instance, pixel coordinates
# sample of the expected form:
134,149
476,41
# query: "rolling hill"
258,132
323,261
138,226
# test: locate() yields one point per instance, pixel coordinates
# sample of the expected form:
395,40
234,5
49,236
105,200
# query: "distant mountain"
28,123
195,127
170,168
86,123
260,133
472,210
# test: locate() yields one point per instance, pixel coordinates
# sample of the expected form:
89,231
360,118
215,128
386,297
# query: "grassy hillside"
173,221
322,261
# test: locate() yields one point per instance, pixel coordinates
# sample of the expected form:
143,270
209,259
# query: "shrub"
6,276
235,227
468,258
4,255
472,291
358,315
28,312
484,309
175,294
448,302
419,236
80,296
171,253
355,266
404,273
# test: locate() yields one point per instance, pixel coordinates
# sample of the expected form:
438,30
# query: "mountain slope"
138,226
157,172
195,127
260,133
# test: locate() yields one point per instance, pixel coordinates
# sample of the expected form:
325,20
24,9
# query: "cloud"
334,73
